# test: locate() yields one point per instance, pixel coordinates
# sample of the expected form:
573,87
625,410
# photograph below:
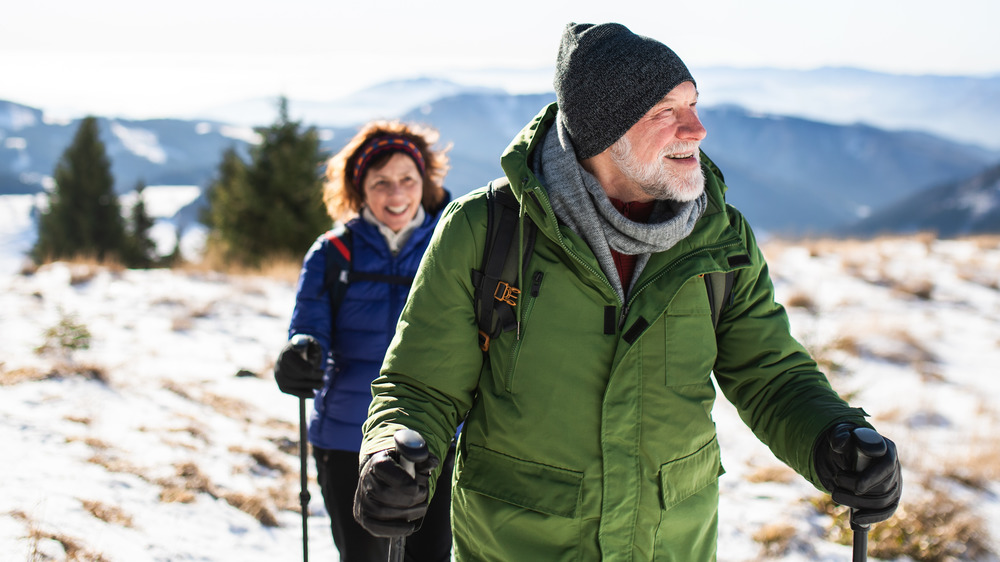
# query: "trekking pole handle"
410,449
300,343
868,445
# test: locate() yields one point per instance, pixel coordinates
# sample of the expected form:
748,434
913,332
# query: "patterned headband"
382,144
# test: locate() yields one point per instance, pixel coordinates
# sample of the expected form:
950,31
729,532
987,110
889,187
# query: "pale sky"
140,59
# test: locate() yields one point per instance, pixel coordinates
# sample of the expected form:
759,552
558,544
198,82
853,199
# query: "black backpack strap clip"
496,291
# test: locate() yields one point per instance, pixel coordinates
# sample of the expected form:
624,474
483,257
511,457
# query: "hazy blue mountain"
960,108
795,175
387,100
14,116
969,206
161,151
479,126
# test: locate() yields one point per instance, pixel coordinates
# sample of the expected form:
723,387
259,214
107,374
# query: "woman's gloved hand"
299,369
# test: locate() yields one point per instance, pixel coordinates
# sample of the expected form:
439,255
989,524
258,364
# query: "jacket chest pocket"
562,331
689,336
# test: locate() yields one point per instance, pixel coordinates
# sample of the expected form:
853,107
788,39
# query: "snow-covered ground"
167,439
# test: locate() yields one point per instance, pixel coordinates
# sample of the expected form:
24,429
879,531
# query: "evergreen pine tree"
84,216
140,250
273,205
227,197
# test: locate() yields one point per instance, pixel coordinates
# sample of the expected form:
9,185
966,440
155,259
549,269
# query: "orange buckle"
484,341
506,293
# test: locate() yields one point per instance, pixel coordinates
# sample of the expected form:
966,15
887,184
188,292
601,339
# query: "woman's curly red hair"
344,198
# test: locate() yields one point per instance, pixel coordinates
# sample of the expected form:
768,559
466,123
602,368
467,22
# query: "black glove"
299,370
388,501
874,491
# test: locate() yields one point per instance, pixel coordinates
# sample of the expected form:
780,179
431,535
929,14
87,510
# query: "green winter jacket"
581,444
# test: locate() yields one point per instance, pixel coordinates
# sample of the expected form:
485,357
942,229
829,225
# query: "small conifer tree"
84,215
140,249
273,205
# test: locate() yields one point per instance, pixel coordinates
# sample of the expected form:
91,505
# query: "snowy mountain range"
801,150
967,207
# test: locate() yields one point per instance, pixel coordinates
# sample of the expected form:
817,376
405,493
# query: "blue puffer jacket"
364,326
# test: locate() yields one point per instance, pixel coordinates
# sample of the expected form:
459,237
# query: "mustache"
681,147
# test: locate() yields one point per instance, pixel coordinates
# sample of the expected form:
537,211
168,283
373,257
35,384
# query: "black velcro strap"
636,330
610,315
740,260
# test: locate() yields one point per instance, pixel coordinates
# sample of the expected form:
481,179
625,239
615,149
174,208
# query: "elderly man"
588,429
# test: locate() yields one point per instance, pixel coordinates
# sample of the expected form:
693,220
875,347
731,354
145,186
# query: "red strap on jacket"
339,244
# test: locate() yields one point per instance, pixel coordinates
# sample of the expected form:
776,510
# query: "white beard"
656,179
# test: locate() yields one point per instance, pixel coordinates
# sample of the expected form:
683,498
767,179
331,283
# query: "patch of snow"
141,142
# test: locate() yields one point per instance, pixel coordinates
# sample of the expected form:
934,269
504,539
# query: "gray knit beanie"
607,78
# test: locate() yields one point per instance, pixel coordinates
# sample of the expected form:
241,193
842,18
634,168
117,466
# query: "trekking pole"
300,344
869,445
410,449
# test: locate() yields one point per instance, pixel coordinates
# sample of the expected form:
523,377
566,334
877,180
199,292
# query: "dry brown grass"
254,505
773,473
82,420
804,301
265,461
848,343
18,375
181,323
922,289
107,513
283,268
282,442
190,426
76,369
74,548
59,370
114,464
176,494
935,528
92,442
230,407
775,538
979,467
189,481
82,267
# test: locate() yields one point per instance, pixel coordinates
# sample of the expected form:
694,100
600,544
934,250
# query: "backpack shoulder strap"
338,266
496,290
720,292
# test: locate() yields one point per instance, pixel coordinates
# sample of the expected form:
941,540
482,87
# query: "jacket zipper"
562,242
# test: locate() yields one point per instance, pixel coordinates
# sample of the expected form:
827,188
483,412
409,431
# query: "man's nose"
690,127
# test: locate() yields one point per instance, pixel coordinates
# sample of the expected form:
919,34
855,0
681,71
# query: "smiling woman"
385,188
